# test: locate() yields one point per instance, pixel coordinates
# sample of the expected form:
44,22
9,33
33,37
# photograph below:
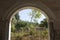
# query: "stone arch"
38,5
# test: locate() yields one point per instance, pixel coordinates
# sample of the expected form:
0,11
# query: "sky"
24,15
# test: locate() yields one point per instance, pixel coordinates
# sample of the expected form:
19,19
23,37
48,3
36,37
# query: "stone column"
52,30
4,29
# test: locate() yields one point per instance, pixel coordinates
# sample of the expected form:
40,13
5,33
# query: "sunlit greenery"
24,30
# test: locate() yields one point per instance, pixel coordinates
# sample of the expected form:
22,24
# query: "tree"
17,17
20,24
35,14
14,21
44,23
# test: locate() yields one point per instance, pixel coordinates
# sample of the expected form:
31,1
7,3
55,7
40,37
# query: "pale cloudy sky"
24,15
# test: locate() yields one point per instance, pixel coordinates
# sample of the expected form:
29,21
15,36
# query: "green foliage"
17,16
13,22
38,14
34,15
44,23
19,27
20,24
31,26
13,28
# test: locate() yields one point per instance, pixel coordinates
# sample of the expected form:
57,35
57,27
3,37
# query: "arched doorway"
33,25
37,5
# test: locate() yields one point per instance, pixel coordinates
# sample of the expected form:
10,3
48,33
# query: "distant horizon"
24,15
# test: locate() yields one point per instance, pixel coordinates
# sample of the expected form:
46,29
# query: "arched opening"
19,5
37,21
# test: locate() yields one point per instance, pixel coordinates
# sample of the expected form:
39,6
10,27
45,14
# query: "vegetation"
24,30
